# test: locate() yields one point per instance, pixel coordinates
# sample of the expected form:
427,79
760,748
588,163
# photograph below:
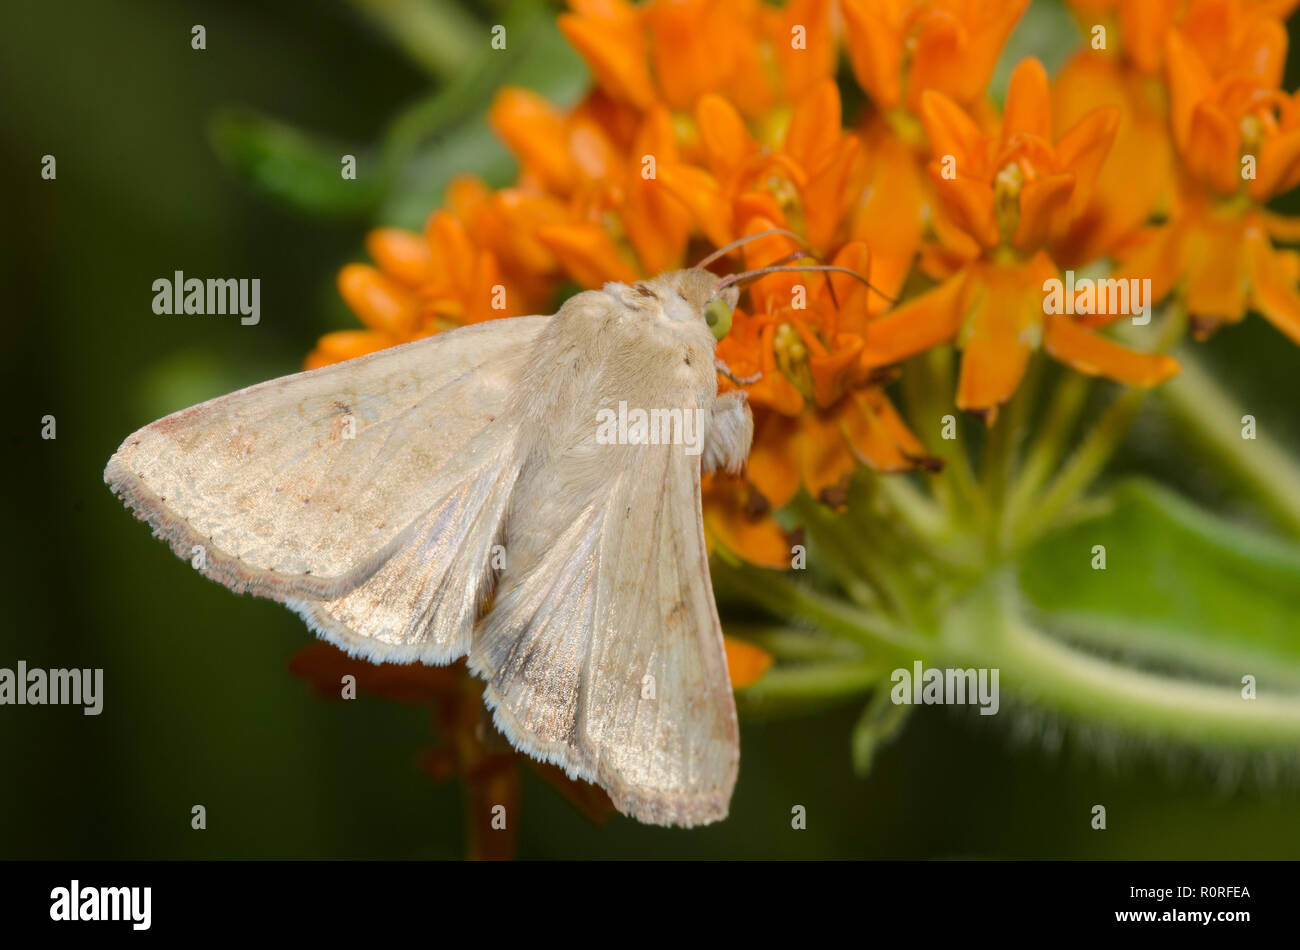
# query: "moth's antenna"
749,275
745,240
725,370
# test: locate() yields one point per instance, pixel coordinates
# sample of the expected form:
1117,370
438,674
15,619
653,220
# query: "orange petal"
452,252
957,56
952,132
1028,108
466,197
875,50
835,372
690,55
1043,201
996,350
753,535
1271,292
534,131
1159,256
616,57
854,298
771,466
774,291
1212,146
727,143
823,452
1144,25
701,194
828,196
1216,270
403,254
588,253
815,127
1281,227
1278,166
927,320
969,202
885,412
872,439
801,69
1189,84
346,345
1087,352
746,663
381,302
1084,149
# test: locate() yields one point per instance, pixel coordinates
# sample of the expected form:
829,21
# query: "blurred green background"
199,708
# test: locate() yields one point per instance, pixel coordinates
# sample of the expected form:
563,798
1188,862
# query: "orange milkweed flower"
1137,29
802,184
819,413
1006,195
756,141
473,262
901,48
672,52
1238,140
898,50
1135,181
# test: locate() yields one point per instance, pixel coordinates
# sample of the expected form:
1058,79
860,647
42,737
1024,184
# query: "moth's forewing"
303,485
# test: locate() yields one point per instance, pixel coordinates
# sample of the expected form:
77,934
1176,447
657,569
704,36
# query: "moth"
450,498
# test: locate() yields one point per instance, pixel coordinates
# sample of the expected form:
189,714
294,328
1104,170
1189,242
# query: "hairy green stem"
783,597
820,680
1210,419
1068,398
1082,468
1061,678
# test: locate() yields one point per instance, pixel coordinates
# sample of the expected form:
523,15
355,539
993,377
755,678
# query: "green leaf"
292,165
423,179
1181,587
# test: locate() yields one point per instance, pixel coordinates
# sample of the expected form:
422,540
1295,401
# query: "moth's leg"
731,432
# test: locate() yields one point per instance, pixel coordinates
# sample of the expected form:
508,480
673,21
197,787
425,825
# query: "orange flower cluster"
712,120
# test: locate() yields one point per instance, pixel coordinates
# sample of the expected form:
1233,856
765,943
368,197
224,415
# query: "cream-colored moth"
376,498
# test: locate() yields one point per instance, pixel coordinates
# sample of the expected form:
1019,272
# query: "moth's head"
695,294
684,296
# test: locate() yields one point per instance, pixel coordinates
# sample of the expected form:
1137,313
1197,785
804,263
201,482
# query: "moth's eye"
718,316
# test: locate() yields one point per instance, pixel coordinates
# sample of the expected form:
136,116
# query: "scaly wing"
340,487
603,653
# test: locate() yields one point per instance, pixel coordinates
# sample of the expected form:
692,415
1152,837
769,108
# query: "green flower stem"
785,598
1061,678
1207,416
932,534
1001,452
839,560
437,34
853,557
956,486
1068,398
1097,448
820,681
795,645
917,511
1083,466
